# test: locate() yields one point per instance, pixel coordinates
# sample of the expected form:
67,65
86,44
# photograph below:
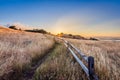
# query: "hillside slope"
5,29
19,50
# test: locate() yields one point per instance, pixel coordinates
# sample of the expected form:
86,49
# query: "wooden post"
91,67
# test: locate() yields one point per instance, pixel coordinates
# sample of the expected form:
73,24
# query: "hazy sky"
85,17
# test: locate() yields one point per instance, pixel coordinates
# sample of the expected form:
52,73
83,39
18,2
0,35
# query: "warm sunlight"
59,39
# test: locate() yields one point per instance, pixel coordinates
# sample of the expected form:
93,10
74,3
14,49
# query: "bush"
93,39
37,31
13,27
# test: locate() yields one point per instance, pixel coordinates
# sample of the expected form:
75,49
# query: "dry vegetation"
17,49
106,54
59,65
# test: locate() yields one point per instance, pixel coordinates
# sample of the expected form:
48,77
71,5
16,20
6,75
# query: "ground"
35,56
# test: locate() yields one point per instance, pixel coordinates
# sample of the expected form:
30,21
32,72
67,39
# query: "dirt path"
28,74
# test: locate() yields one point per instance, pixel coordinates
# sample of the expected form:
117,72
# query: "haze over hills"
71,36
25,28
108,38
67,35
22,26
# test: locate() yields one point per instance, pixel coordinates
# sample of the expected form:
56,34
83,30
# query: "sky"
83,17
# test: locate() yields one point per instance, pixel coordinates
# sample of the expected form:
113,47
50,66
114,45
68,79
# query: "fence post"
91,67
90,71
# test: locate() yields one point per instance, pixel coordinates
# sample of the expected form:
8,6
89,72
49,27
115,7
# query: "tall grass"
59,66
17,49
106,54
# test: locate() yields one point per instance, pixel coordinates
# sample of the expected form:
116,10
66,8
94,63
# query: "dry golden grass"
59,66
8,30
19,48
106,54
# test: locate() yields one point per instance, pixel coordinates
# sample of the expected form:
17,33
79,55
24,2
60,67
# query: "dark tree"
13,27
37,31
91,38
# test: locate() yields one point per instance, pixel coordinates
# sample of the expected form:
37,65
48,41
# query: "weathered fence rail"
89,70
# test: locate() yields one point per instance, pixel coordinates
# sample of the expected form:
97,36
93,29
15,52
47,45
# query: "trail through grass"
28,74
59,66
20,51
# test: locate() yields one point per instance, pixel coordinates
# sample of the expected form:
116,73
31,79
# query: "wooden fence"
89,70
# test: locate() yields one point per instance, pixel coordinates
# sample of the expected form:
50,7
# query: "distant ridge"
5,30
71,36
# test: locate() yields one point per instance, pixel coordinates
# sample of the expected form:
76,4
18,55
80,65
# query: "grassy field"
61,65
19,49
106,54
